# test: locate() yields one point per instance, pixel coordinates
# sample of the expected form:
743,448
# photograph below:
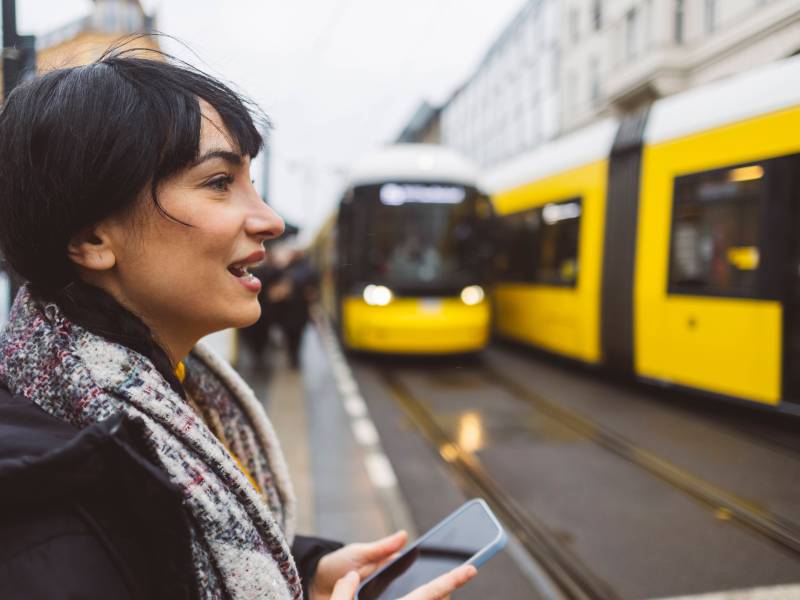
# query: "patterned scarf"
239,537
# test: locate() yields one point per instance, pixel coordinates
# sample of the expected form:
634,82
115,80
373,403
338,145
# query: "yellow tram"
404,260
665,245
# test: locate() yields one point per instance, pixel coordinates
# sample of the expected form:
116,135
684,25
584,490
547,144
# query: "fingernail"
352,575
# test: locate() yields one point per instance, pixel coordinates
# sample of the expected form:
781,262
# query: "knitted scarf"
239,537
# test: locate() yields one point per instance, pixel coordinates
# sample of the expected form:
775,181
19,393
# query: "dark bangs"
169,103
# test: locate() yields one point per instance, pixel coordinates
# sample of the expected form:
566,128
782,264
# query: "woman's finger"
380,549
345,588
440,588
370,568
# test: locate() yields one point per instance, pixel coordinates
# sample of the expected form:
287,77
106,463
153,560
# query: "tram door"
786,184
622,217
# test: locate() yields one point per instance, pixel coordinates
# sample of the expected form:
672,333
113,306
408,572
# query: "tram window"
429,240
540,245
715,248
515,259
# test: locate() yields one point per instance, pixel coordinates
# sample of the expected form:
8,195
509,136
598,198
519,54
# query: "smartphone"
470,535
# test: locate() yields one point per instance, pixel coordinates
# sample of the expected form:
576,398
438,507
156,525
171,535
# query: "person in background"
135,463
256,336
293,293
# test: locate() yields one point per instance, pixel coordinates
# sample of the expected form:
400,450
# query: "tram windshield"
422,237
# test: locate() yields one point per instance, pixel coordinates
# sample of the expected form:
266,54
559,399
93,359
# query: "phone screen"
447,546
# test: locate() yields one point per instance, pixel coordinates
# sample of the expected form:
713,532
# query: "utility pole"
9,45
19,62
19,51
266,166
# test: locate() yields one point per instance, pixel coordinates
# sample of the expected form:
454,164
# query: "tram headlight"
472,295
377,295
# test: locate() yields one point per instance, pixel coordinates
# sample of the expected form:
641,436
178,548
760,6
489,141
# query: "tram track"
568,572
572,577
725,504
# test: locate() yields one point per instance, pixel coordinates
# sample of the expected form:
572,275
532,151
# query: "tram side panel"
709,291
548,262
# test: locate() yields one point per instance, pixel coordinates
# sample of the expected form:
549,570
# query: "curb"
376,463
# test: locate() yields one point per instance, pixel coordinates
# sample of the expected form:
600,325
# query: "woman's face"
186,282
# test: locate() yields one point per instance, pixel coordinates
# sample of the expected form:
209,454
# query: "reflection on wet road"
642,500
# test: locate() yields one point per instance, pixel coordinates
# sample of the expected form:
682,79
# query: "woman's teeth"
239,271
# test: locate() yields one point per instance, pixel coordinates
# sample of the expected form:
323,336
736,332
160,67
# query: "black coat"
85,514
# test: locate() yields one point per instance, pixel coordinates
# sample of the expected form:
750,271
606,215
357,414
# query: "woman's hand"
364,559
339,573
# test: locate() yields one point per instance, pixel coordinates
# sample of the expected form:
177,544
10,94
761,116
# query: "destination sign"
396,194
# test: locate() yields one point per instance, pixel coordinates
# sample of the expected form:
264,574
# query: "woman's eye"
221,183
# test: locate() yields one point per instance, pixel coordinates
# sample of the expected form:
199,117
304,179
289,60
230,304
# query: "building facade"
621,55
424,126
511,102
86,38
562,64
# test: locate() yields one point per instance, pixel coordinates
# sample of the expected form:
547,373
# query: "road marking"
380,470
355,406
347,386
364,432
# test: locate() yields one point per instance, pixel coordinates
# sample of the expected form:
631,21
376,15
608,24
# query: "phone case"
477,560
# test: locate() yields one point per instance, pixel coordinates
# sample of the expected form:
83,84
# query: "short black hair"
80,144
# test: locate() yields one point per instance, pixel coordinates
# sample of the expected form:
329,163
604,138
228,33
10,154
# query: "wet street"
610,489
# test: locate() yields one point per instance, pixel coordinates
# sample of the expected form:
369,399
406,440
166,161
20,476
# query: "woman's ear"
91,249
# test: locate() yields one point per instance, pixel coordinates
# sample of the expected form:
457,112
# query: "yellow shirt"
180,373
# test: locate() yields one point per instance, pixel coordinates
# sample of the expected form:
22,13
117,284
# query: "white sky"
337,77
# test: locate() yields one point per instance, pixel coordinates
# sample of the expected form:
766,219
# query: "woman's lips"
250,281
240,272
250,260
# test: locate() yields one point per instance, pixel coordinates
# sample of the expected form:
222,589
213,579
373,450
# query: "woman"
133,462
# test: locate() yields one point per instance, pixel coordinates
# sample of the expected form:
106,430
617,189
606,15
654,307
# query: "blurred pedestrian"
256,336
134,463
293,293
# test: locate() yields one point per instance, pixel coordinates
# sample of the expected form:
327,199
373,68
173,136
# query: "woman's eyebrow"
226,155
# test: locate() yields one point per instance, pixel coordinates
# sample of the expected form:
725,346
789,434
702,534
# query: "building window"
710,18
715,248
574,25
594,81
647,24
680,12
572,92
556,67
597,15
540,245
631,33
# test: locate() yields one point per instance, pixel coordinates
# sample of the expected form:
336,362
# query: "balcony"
657,73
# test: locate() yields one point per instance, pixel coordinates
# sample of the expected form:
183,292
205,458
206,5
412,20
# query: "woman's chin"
234,313
246,314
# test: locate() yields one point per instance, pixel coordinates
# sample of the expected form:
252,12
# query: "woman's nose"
264,222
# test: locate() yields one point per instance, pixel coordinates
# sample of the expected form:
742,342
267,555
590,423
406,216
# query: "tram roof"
414,162
770,88
582,147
